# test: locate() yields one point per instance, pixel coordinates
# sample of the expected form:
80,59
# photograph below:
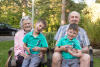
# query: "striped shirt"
82,35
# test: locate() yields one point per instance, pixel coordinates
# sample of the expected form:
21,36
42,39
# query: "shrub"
50,39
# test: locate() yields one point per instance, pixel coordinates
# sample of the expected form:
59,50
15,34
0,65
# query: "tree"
97,1
63,21
50,10
91,23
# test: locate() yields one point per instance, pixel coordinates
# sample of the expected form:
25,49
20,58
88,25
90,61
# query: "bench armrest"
91,55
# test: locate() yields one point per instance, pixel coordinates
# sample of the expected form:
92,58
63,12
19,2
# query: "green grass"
96,62
5,45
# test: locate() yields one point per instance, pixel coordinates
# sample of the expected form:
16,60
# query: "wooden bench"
11,62
51,51
47,61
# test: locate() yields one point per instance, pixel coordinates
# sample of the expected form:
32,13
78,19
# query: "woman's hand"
28,50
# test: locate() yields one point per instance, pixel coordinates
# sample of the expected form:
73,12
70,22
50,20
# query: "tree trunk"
24,4
63,21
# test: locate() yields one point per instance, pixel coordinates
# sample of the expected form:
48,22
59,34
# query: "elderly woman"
26,26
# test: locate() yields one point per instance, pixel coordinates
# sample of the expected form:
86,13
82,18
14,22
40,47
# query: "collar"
31,34
66,38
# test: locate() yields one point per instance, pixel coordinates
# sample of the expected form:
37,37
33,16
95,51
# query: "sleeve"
61,32
44,42
15,44
17,47
77,45
58,33
86,41
25,40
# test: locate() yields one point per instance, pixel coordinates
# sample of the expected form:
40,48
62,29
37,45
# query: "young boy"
69,47
34,43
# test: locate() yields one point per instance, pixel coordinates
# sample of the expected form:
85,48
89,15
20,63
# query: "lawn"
5,45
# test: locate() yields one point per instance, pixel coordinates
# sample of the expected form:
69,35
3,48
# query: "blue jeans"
31,61
70,63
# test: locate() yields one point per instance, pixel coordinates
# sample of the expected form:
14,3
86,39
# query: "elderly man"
74,17
26,26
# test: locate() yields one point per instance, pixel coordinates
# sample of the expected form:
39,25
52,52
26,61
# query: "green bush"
50,39
93,31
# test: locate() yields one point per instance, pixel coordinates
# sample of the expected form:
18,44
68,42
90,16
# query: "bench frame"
48,58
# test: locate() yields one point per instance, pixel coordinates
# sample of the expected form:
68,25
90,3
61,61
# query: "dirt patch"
6,38
96,52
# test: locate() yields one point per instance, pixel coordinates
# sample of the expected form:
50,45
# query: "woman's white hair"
25,18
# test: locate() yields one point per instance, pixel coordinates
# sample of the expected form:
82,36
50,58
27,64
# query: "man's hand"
85,49
75,50
65,48
72,52
69,50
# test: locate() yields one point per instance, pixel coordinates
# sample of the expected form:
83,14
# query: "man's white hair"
25,18
74,12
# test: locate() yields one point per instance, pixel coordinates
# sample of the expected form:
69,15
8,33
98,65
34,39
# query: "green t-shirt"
31,41
65,41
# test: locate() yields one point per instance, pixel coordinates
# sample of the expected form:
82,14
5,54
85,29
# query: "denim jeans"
70,63
31,61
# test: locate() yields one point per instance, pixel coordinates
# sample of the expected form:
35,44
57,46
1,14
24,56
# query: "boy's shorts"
70,63
31,61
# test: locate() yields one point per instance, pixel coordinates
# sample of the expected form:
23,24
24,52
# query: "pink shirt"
18,43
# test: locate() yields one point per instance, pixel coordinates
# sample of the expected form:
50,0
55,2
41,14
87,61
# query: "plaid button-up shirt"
82,35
